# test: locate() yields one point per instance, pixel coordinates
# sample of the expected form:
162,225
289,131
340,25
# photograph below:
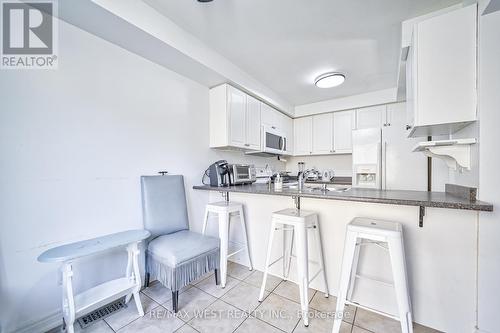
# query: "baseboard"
42,325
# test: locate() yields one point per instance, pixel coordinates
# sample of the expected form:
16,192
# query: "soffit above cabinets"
286,44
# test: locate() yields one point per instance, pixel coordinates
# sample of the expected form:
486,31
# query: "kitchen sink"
318,187
292,186
295,186
327,188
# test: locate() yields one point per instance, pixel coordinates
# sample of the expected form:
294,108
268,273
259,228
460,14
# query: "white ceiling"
285,44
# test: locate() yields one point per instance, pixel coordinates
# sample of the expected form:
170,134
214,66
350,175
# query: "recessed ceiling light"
329,80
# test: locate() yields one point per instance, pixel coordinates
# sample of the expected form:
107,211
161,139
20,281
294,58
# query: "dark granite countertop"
393,197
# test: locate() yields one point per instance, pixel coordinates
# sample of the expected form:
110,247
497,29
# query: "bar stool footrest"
236,252
385,314
389,284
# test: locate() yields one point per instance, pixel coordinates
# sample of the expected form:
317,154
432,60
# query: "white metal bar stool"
388,235
298,222
225,210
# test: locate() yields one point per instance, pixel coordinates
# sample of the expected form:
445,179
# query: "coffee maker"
218,174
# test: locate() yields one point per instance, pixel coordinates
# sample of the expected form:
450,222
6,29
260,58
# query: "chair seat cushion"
179,247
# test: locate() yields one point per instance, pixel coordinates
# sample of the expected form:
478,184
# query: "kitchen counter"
393,197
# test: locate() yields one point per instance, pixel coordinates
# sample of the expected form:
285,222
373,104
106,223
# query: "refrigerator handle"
384,165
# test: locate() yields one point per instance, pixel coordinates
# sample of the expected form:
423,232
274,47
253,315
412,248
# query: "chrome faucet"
302,176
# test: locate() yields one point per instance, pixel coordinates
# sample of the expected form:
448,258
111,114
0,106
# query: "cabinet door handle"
247,145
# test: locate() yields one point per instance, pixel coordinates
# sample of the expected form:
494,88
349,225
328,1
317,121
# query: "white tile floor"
206,308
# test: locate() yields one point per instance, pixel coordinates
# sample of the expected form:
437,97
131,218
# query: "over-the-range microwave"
273,142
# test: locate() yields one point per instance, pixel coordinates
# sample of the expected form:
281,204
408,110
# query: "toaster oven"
242,174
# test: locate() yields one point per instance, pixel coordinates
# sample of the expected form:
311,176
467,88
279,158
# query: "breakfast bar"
441,257
450,199
393,197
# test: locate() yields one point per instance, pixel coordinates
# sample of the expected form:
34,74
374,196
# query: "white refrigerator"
367,158
382,158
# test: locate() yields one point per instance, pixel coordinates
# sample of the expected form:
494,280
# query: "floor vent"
101,313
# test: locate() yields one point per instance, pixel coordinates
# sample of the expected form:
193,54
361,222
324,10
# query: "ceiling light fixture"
329,80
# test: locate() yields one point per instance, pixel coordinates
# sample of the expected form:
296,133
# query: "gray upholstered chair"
175,256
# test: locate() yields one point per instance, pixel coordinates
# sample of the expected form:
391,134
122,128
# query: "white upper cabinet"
441,73
322,134
371,117
271,117
253,125
343,124
237,105
302,136
234,119
288,129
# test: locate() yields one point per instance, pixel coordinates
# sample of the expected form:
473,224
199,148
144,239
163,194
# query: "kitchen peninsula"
394,197
441,256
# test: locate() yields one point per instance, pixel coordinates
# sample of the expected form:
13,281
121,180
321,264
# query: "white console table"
91,299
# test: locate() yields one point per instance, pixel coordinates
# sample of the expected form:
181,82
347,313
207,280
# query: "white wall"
489,177
73,143
442,174
350,102
341,164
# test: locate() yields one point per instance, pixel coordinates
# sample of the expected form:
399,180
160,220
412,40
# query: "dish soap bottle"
278,182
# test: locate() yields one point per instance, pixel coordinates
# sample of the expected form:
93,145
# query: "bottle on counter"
278,182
